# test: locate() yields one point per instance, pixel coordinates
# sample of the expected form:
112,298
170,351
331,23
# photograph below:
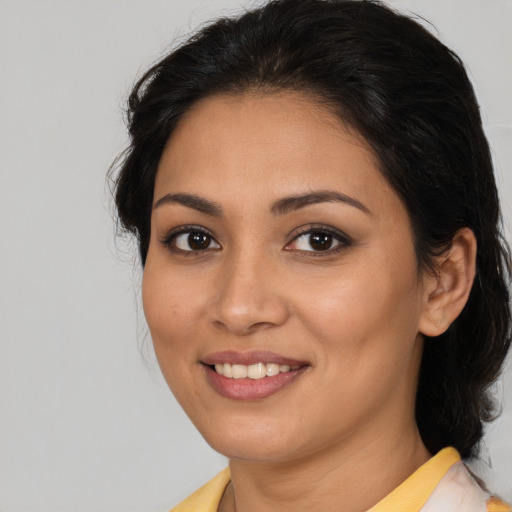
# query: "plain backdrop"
86,422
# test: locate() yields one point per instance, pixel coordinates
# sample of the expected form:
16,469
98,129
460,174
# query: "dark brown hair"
410,97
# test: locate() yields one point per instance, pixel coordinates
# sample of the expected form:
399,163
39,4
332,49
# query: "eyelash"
343,240
169,241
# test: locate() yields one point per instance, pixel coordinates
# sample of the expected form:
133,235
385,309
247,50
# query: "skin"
344,431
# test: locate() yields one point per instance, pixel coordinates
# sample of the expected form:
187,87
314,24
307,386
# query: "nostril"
245,310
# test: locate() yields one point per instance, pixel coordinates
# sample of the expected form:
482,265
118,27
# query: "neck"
356,475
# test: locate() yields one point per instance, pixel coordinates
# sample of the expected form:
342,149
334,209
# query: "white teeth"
272,369
253,371
256,371
227,370
239,371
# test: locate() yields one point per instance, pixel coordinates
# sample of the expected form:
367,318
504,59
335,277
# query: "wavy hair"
409,96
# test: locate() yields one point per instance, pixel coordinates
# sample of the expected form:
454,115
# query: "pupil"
198,241
320,241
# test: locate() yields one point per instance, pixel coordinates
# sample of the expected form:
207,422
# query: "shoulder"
459,491
442,484
496,505
207,498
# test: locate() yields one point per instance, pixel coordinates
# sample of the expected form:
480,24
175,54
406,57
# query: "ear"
446,292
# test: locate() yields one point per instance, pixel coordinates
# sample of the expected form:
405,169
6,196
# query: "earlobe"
447,291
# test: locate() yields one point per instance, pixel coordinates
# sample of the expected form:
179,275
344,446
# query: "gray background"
86,423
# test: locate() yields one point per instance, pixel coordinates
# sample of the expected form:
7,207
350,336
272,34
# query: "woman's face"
276,240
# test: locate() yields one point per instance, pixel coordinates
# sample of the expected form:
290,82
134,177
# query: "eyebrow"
191,201
279,207
291,203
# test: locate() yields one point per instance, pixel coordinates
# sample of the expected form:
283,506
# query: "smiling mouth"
252,371
251,375
251,382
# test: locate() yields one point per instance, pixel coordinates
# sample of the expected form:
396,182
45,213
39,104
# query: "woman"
325,280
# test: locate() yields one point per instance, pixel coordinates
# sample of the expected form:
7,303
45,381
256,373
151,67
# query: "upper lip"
251,357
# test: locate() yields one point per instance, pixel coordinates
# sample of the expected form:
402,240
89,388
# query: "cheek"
364,325
365,308
171,312
170,307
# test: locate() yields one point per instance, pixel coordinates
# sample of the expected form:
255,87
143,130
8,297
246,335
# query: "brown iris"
198,241
320,241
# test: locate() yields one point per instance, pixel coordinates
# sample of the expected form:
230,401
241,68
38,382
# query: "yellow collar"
409,496
412,493
206,498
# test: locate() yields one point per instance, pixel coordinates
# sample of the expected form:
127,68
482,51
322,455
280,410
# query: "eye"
190,240
322,239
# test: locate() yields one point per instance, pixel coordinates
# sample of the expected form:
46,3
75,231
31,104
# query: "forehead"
276,144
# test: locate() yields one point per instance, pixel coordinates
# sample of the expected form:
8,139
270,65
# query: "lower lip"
250,389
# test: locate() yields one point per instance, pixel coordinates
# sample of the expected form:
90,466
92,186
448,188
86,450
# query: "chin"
256,444
255,452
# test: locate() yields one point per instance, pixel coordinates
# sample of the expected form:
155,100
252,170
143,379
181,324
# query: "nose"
249,297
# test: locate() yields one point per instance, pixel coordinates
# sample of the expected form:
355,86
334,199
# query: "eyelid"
307,229
343,239
168,239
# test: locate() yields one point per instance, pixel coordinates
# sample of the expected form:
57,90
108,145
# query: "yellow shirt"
442,484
